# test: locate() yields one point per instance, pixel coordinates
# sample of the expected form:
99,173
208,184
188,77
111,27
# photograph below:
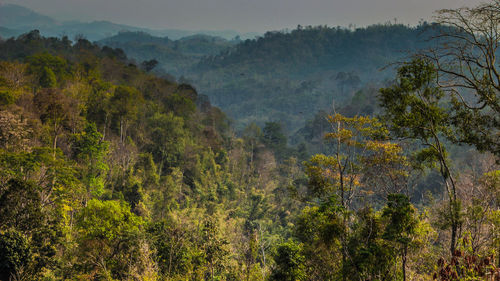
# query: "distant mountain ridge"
289,76
174,56
20,20
281,76
8,32
19,17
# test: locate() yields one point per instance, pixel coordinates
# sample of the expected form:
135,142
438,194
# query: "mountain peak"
15,17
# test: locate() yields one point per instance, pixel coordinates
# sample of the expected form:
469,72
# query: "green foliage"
20,206
289,75
89,145
174,246
125,102
274,138
48,68
26,222
214,247
289,263
47,78
98,104
106,220
90,150
180,105
413,107
15,254
401,217
107,235
168,140
402,224
352,239
371,256
320,230
6,97
112,173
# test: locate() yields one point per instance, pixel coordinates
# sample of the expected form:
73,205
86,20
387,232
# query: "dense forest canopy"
173,56
111,171
106,171
283,76
289,76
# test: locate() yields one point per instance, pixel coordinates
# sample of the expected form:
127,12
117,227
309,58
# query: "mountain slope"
85,134
8,33
174,56
287,77
15,16
282,76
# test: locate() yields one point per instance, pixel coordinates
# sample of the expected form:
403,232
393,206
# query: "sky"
242,15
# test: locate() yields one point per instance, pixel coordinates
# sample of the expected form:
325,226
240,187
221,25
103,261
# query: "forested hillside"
110,172
173,56
283,76
288,76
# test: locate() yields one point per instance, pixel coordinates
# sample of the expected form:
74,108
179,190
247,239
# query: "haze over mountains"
15,20
288,76
284,76
313,153
175,56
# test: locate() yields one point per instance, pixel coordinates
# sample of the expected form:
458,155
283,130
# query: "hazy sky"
242,15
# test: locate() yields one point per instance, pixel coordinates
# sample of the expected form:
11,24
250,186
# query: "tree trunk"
170,259
498,257
405,251
54,146
452,193
104,127
343,202
262,249
453,236
121,130
212,270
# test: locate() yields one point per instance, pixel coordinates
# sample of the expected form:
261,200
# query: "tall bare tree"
466,59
